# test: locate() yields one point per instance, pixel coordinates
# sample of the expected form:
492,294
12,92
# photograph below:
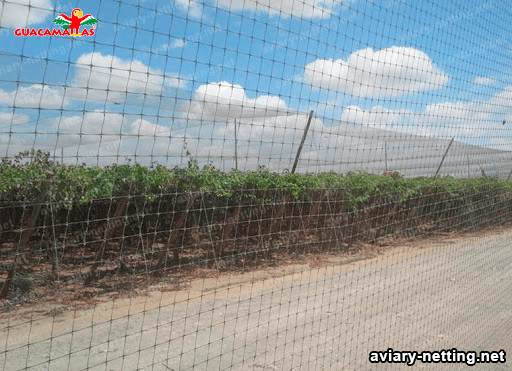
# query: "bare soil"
35,294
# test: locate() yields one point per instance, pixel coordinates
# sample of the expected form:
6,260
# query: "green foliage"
24,178
89,22
61,21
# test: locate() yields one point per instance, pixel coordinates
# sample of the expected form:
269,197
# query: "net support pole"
386,155
302,142
236,150
442,160
469,175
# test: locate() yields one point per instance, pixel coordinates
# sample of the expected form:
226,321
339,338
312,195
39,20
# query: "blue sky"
160,78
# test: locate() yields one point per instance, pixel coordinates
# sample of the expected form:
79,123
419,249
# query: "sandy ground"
431,294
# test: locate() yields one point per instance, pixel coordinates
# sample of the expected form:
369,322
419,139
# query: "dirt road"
424,295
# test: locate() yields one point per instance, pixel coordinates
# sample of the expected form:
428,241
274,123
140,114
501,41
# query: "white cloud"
96,73
11,119
286,8
178,43
376,116
192,7
24,13
150,139
97,126
448,112
144,128
72,133
388,72
98,78
112,136
501,103
223,100
469,122
477,122
466,121
34,96
92,127
482,80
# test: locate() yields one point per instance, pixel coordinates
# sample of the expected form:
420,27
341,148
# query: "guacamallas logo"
70,26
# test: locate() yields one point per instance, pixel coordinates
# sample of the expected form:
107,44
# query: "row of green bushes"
23,179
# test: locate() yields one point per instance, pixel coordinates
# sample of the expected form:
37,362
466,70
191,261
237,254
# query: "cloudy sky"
160,79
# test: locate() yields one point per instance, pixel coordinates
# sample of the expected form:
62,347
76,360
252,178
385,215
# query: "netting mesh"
242,184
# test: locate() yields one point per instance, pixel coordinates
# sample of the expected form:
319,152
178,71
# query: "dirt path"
426,295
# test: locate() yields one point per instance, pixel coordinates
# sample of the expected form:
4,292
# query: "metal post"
447,149
482,170
386,154
302,142
469,175
236,154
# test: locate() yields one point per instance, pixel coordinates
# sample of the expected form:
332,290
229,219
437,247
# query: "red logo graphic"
72,23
